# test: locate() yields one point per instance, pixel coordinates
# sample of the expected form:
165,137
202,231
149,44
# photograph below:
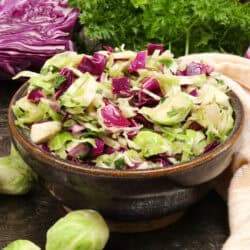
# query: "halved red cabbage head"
112,117
247,54
195,68
95,65
139,62
35,95
70,78
152,47
32,31
98,150
121,86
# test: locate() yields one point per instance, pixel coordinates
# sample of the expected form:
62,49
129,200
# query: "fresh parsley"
185,26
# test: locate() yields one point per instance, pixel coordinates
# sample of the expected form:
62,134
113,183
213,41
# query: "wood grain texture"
204,227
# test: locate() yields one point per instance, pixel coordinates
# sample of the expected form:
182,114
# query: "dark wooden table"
204,226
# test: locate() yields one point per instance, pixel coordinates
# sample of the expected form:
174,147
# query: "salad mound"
122,109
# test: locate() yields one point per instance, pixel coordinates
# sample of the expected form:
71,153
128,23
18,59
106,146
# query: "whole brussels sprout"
22,245
16,177
82,229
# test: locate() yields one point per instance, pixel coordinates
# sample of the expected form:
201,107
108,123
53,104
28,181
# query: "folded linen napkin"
234,184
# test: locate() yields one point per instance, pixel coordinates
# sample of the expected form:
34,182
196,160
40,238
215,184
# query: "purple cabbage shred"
247,53
152,85
44,147
70,78
99,149
195,68
121,86
140,119
109,150
194,92
211,146
152,47
95,65
108,48
112,117
35,95
139,62
75,129
195,126
78,151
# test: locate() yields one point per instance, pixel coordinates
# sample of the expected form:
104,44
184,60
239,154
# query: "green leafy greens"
184,26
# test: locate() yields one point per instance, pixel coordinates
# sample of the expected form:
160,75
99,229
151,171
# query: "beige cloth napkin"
238,174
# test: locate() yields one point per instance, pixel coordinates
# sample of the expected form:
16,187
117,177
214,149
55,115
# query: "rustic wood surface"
204,226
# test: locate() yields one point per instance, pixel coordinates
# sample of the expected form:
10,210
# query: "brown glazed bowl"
128,196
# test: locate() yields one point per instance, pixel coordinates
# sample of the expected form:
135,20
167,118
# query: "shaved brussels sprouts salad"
125,110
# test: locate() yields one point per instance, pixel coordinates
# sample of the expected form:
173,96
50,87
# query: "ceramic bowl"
128,196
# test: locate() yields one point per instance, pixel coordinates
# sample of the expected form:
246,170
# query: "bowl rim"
66,165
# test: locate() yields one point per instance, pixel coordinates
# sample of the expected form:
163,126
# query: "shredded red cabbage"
195,68
247,54
109,150
65,117
75,129
78,151
152,47
163,160
108,48
180,73
166,156
112,117
195,126
141,99
132,134
98,150
94,65
106,101
135,166
139,62
194,92
55,106
121,86
70,78
35,95
33,30
140,119
152,85
44,147
211,146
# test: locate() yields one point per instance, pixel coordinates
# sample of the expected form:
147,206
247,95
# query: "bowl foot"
141,226
144,226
